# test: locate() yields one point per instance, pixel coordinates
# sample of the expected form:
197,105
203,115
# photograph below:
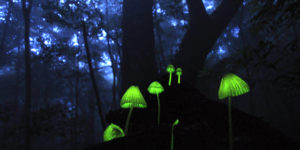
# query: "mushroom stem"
127,120
172,133
158,110
230,124
172,138
178,80
170,79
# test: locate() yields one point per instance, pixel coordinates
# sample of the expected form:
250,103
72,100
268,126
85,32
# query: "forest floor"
203,125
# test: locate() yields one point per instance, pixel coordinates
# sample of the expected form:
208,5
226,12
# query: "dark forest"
149,74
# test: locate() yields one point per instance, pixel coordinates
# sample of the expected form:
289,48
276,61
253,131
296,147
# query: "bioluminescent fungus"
113,131
231,85
178,73
132,98
156,88
176,122
170,69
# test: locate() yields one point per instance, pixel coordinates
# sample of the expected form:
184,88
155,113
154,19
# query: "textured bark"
203,31
138,65
26,15
95,87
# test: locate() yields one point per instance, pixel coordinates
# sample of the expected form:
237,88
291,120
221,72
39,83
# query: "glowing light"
35,51
62,59
232,85
56,29
132,98
113,131
81,64
156,88
47,39
176,122
102,36
183,22
170,69
221,50
235,32
178,73
74,41
173,22
209,5
3,12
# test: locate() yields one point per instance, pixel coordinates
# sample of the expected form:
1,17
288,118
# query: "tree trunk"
203,31
112,59
95,87
77,78
138,65
26,15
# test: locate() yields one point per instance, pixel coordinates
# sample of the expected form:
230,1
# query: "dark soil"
203,125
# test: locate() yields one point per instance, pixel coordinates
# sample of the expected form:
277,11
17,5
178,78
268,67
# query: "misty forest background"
62,60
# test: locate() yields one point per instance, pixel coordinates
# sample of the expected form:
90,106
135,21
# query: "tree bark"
26,14
138,65
203,31
95,87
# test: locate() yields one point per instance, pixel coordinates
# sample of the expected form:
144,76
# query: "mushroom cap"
133,98
170,68
176,122
111,132
179,71
155,88
232,85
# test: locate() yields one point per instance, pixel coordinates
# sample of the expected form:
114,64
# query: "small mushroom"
132,98
170,69
176,122
178,73
156,88
113,131
231,85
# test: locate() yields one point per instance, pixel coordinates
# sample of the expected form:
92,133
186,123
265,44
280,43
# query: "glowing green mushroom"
112,132
231,85
156,88
170,69
178,73
132,98
176,122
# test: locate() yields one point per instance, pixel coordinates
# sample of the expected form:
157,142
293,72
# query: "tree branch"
223,14
197,11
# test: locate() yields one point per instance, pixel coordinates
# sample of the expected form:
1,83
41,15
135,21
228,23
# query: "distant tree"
26,5
203,31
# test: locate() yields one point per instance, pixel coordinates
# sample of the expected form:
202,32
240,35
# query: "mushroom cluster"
170,69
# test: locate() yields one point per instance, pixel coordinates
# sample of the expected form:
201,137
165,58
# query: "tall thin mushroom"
132,98
170,69
178,73
231,85
156,88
